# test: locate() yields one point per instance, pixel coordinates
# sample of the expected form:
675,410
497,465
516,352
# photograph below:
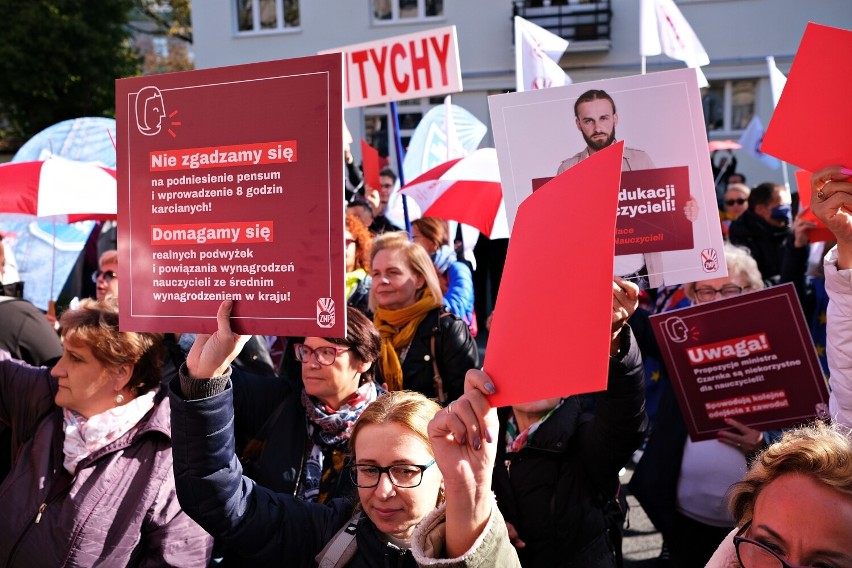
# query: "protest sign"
231,188
532,332
750,358
660,118
790,135
410,66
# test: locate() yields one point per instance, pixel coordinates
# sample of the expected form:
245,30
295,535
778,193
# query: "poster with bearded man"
667,229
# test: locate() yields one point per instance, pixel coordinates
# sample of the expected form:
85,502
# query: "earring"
119,398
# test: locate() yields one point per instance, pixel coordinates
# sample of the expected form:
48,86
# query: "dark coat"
765,242
119,509
455,351
555,490
281,530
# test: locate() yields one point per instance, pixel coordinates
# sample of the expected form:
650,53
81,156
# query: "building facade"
737,34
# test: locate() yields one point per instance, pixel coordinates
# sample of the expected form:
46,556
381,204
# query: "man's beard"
600,145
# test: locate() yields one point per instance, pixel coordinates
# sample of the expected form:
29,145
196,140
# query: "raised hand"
211,355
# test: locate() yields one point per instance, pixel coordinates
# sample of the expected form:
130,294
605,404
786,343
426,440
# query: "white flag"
663,29
537,54
751,140
777,80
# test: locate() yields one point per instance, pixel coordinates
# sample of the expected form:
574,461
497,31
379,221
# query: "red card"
818,83
370,163
555,301
750,357
821,233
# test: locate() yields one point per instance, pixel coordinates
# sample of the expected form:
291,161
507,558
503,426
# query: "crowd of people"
382,449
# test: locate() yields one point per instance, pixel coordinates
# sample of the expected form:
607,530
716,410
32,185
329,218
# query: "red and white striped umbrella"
58,189
466,190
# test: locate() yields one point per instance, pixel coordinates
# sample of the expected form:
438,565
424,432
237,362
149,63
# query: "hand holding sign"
625,300
211,355
831,202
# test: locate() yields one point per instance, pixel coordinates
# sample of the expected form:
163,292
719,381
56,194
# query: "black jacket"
555,490
765,242
455,350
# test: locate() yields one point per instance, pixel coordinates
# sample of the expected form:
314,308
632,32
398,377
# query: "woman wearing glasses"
408,457
735,202
294,436
682,484
794,506
424,347
106,276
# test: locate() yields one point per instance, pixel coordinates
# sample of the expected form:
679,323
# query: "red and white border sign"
422,64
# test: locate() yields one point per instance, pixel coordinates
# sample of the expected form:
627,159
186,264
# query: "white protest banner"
422,64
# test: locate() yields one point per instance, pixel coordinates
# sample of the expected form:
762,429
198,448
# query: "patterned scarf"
329,431
516,441
397,329
84,437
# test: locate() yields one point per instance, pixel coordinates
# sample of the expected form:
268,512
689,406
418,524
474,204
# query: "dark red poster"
650,214
230,185
749,357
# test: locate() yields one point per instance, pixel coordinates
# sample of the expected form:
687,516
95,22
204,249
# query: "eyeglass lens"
325,355
108,276
754,555
404,476
725,292
730,202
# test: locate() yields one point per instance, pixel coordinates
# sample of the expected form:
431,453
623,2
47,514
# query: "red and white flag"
777,80
665,30
537,54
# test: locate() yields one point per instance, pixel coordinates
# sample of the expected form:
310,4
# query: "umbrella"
58,191
466,190
62,190
723,145
87,139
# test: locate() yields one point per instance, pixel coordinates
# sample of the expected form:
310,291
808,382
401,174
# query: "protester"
831,202
455,277
93,481
554,482
764,228
424,347
106,277
681,484
794,506
358,242
735,202
402,435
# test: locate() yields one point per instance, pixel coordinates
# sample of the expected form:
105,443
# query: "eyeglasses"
386,185
404,476
350,242
708,294
753,554
108,275
324,355
739,201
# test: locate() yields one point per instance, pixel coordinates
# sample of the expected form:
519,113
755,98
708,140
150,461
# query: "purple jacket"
120,509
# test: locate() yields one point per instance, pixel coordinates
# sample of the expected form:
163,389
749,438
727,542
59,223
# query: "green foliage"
59,59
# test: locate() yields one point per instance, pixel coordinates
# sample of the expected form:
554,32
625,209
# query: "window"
266,15
729,105
406,10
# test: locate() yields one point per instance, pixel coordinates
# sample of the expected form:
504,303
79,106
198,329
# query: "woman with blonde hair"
424,347
423,476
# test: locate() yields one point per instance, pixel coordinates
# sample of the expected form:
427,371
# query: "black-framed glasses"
108,275
404,476
738,201
324,355
753,554
707,294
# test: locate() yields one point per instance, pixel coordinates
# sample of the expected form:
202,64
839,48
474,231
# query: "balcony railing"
579,23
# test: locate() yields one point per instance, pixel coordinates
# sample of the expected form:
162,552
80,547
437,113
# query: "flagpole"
643,64
399,158
786,176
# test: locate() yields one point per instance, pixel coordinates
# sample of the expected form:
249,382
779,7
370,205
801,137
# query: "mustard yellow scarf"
397,329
